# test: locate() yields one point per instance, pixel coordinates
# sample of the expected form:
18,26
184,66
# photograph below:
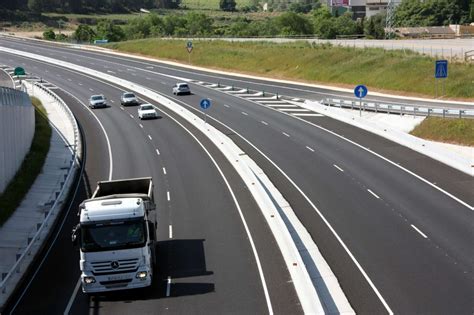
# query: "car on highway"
128,98
181,88
97,101
147,111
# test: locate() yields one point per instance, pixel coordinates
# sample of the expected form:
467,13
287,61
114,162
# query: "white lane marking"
264,122
131,116
418,230
134,74
69,79
149,137
80,83
307,115
170,231
287,135
373,194
73,297
131,70
280,105
92,90
148,78
310,148
225,105
164,170
110,71
149,67
168,197
112,101
157,152
294,110
244,113
141,126
121,107
168,286
338,167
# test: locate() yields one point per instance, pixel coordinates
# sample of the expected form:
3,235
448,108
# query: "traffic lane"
59,272
68,81
281,290
279,146
288,89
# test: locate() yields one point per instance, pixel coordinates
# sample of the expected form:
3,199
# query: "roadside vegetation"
450,130
398,72
31,167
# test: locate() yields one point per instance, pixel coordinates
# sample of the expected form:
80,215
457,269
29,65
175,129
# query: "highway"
397,242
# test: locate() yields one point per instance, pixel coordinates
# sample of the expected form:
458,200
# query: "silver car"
181,88
128,98
97,101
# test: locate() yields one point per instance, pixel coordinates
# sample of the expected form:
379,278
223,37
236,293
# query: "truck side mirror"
76,232
151,230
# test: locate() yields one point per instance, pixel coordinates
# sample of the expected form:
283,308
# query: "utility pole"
389,19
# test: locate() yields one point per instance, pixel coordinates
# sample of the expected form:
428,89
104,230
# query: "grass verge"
450,130
31,167
394,71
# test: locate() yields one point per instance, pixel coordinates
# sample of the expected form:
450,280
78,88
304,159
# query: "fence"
9,279
17,128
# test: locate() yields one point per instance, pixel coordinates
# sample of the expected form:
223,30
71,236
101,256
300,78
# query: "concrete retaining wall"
17,128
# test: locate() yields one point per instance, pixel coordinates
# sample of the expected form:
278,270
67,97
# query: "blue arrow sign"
205,103
189,44
441,69
360,91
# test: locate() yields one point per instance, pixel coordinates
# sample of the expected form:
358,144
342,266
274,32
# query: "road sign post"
441,72
189,47
360,92
205,104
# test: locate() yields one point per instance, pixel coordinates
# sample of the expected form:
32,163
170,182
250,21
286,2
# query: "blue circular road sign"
360,91
205,103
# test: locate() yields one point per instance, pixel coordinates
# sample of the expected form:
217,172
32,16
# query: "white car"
147,111
181,88
97,101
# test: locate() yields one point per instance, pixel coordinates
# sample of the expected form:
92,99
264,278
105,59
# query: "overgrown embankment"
450,130
396,72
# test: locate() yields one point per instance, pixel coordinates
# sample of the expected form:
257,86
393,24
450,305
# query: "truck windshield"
116,235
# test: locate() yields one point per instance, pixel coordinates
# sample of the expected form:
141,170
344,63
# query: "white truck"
117,235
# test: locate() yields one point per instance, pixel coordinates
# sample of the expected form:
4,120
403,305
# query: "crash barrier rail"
400,109
8,281
469,55
17,127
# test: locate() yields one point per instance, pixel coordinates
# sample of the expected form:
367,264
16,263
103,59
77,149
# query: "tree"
198,24
84,33
291,23
227,5
106,29
412,13
49,34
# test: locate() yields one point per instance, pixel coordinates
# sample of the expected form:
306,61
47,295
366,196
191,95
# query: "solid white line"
141,126
294,110
309,148
164,170
150,137
281,105
168,286
244,113
338,167
73,297
308,115
170,231
416,229
157,152
168,196
264,122
286,134
373,194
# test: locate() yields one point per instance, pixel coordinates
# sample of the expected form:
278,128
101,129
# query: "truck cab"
116,235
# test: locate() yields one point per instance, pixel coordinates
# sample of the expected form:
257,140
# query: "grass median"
393,71
449,130
31,167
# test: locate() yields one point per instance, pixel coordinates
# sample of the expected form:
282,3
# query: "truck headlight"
141,275
89,280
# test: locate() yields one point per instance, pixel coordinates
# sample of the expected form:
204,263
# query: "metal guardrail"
55,207
400,109
469,56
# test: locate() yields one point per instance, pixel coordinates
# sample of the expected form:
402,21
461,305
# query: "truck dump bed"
142,187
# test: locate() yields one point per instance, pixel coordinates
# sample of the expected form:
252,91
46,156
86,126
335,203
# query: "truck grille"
114,266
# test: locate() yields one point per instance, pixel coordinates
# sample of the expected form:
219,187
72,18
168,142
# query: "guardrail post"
352,104
415,109
218,84
277,97
389,107
263,93
376,106
460,113
429,111
444,113
248,91
401,110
